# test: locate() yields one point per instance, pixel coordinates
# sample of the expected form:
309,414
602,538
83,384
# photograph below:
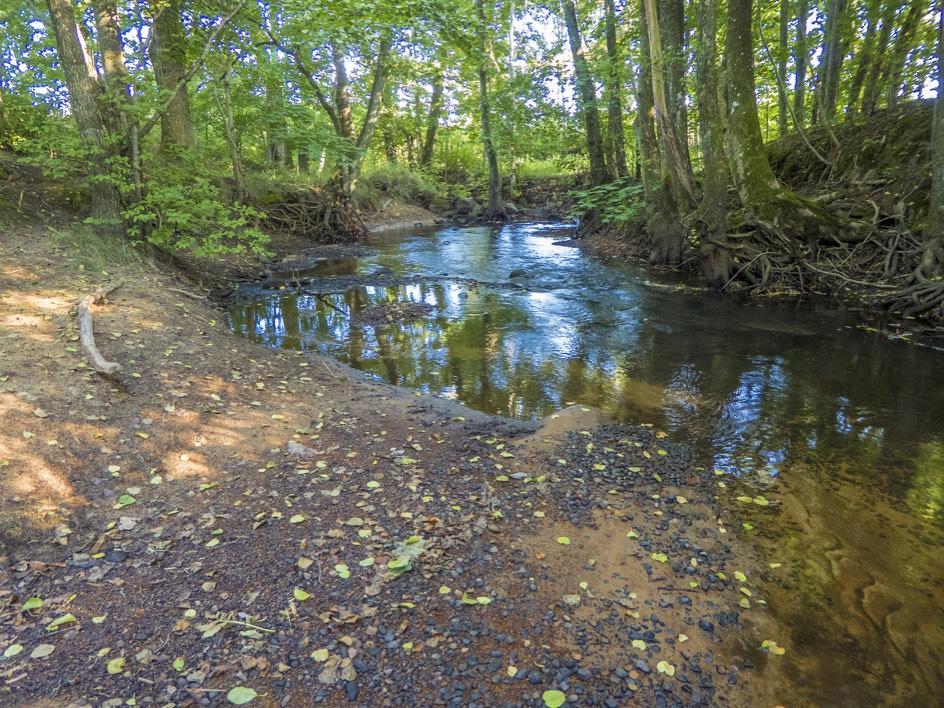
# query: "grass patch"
93,253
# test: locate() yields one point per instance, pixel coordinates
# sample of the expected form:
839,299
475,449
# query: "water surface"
843,427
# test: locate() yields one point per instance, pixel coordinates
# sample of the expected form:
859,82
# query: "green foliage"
618,203
182,209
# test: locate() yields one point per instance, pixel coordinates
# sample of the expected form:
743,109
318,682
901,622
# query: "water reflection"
845,425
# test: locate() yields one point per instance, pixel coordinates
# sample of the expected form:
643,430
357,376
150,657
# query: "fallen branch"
87,332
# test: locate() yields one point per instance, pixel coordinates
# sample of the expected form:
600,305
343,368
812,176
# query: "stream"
841,427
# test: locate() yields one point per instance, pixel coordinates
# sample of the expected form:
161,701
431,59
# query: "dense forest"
199,127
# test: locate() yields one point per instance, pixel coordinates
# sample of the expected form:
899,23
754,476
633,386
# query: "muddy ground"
224,516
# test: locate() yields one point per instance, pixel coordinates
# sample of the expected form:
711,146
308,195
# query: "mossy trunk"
715,257
772,207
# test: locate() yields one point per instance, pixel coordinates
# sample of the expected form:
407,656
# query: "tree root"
324,216
87,333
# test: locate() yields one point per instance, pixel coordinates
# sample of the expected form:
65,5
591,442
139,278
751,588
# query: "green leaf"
116,666
67,618
12,650
179,664
563,540
554,698
240,694
343,571
660,557
33,603
400,564
301,595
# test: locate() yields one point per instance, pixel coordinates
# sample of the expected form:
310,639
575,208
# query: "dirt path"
232,516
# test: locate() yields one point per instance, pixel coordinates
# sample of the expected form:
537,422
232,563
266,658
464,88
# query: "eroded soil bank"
227,515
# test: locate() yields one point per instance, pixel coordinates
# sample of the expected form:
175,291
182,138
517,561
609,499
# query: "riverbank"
228,515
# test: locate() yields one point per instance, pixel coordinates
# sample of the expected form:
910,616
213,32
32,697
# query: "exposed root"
87,332
322,215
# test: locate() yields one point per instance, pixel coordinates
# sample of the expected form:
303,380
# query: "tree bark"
614,99
495,209
933,262
586,97
117,83
646,140
169,57
674,65
85,94
716,260
677,193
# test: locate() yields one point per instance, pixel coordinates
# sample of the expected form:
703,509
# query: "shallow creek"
841,428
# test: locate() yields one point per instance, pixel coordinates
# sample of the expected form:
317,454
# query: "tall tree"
85,97
801,58
832,52
647,144
435,109
865,55
783,55
903,44
586,97
169,57
495,209
713,212
337,106
932,264
878,66
614,98
773,207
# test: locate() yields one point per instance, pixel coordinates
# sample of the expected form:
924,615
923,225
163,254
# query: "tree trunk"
783,54
866,54
716,259
231,140
435,114
835,43
614,100
904,42
495,209
802,59
677,193
774,208
673,41
932,264
879,64
169,57
84,100
117,83
646,140
374,101
586,97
